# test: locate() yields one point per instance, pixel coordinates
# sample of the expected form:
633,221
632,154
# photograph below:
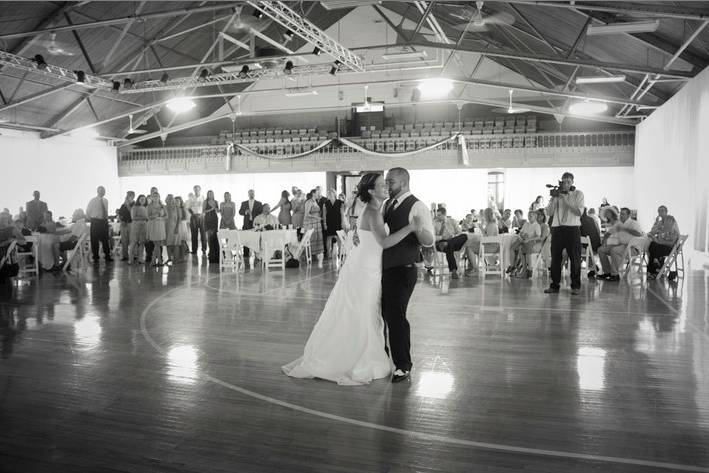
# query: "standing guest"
211,225
149,245
195,204
172,228
97,212
313,221
298,207
249,210
321,199
604,203
138,228
35,212
284,216
228,211
21,216
332,216
184,229
537,204
156,228
566,209
125,219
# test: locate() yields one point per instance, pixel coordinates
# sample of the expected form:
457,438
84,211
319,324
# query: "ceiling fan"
511,109
476,21
133,131
54,47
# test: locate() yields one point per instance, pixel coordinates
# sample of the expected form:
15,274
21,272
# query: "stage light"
164,78
244,73
116,86
203,75
258,14
39,59
588,108
127,84
180,104
288,36
80,77
317,51
335,67
289,67
435,87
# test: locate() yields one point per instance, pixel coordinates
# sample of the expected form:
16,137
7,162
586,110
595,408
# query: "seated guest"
592,213
615,241
490,226
518,220
8,234
265,221
505,223
663,236
590,229
538,203
48,243
449,239
529,237
469,224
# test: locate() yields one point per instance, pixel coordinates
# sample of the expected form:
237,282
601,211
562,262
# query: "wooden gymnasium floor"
128,369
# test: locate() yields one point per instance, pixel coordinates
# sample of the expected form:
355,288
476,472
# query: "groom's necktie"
392,205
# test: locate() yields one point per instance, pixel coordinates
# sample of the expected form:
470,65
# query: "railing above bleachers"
603,148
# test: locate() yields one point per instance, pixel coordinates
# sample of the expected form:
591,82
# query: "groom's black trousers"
397,286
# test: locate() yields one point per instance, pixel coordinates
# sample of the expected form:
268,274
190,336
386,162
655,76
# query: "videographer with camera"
565,208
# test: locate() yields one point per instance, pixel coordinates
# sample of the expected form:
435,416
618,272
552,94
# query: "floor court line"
409,433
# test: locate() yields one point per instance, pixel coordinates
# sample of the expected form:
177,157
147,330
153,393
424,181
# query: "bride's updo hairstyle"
366,184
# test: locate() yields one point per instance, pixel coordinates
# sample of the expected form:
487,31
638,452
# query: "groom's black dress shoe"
400,375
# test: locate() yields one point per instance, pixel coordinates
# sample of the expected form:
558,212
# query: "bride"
347,343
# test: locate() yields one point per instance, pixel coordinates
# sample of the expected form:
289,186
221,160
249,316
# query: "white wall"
65,171
268,186
671,165
463,189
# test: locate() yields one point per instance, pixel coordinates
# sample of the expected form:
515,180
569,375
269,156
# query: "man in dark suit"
35,212
249,210
320,199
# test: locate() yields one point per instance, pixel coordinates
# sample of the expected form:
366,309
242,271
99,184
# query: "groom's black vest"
407,251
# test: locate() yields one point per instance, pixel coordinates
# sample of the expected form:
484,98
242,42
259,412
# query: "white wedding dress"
347,343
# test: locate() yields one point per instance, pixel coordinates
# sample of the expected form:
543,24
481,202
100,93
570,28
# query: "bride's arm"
376,226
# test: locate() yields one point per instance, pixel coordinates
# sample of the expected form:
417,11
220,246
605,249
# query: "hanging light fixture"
39,59
288,69
588,108
127,83
80,77
244,73
317,51
180,104
116,86
335,67
203,75
164,78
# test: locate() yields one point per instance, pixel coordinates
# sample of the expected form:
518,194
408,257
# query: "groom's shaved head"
401,173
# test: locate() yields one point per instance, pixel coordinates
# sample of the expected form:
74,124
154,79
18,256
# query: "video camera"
555,191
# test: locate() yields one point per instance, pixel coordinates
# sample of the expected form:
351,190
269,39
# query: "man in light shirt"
266,221
615,242
195,205
97,213
566,209
449,239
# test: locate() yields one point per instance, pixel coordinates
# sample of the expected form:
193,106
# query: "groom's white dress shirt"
419,209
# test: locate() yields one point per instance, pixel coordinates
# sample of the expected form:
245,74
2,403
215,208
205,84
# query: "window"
496,188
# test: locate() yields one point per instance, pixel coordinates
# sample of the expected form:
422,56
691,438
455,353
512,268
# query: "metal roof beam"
33,97
646,8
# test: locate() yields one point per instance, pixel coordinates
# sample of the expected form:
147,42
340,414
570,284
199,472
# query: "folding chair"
79,255
273,241
587,256
305,247
498,267
10,254
675,257
26,266
635,262
230,253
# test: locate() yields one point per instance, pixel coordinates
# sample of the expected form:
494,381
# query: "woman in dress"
210,208
228,210
138,229
284,216
332,214
156,227
172,229
538,203
313,221
184,229
298,208
347,343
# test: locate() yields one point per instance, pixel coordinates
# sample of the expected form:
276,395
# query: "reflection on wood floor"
133,369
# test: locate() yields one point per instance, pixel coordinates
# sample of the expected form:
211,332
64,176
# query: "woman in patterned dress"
313,221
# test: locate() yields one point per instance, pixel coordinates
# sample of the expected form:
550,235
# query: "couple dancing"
347,345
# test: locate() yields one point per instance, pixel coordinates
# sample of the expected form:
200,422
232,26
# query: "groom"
399,271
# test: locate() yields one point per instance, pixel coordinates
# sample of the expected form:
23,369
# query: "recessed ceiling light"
180,104
435,87
600,79
588,108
